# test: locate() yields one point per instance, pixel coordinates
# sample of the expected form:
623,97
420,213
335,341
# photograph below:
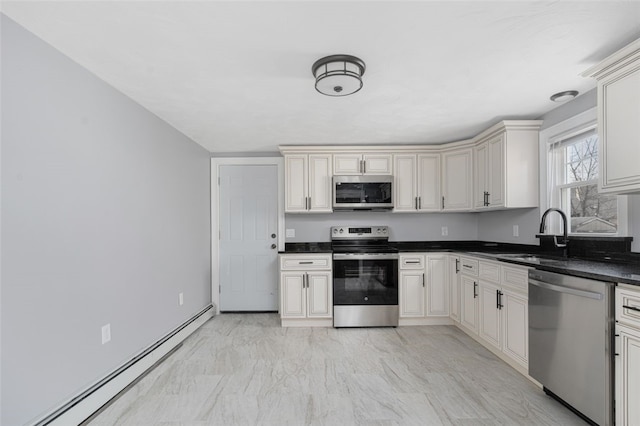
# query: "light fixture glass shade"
338,75
564,96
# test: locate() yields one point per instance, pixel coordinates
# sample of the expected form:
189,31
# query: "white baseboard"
88,405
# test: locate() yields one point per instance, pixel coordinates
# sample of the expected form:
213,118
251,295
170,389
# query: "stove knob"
335,231
384,231
341,230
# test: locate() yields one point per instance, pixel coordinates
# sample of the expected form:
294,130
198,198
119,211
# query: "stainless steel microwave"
362,192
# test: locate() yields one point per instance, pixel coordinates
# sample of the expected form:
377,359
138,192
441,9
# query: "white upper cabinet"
456,180
362,164
417,182
619,120
506,166
308,183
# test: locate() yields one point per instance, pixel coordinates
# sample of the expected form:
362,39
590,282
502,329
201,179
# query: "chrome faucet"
565,237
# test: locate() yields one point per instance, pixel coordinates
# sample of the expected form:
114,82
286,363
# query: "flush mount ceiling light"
564,96
338,75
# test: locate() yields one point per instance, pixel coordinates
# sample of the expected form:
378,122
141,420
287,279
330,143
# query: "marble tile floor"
244,369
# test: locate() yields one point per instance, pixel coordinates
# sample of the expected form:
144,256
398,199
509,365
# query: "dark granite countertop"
622,270
306,248
628,273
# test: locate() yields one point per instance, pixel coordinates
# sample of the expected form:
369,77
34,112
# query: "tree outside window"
577,188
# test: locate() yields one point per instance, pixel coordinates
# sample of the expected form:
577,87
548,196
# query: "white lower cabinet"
494,308
454,287
306,290
504,314
469,303
469,294
627,359
424,288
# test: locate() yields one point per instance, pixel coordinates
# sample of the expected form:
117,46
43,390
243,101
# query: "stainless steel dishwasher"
571,342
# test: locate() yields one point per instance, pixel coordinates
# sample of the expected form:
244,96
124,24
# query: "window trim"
564,130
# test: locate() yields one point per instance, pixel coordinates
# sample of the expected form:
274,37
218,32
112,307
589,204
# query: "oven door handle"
365,256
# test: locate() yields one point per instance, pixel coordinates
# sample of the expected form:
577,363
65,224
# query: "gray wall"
105,219
403,226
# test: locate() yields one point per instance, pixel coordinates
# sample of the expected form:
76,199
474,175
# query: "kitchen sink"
528,258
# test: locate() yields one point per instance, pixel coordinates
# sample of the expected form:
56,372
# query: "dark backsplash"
608,249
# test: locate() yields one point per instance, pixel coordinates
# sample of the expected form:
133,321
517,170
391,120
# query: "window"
573,161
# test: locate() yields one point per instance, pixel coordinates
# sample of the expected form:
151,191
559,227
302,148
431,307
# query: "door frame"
216,162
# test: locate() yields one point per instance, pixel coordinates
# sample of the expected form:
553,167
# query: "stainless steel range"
365,277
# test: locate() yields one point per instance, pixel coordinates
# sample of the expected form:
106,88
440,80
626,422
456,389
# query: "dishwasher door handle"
568,290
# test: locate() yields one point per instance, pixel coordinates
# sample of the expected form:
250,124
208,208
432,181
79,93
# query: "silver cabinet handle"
364,166
423,280
412,262
443,201
457,265
416,203
305,262
419,203
475,289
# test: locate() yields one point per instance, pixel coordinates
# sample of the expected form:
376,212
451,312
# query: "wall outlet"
180,299
445,231
290,233
106,333
516,231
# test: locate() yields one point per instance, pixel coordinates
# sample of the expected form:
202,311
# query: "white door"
469,303
248,237
495,174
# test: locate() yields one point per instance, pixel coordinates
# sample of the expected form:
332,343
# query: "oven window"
365,282
359,192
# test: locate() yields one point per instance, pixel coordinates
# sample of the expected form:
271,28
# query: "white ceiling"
236,76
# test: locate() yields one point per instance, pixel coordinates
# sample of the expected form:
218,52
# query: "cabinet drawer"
411,261
302,262
468,266
489,271
516,278
629,297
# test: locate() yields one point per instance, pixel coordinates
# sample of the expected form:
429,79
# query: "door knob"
273,246
273,235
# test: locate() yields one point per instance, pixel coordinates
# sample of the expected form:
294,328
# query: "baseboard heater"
83,405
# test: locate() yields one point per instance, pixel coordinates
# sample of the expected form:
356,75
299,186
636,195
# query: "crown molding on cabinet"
504,125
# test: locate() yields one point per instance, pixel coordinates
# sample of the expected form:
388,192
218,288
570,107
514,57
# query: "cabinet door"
454,288
627,370
437,286
489,325
319,295
347,164
320,183
377,164
469,303
412,294
619,130
495,172
515,326
293,299
296,174
479,176
456,179
430,196
404,183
